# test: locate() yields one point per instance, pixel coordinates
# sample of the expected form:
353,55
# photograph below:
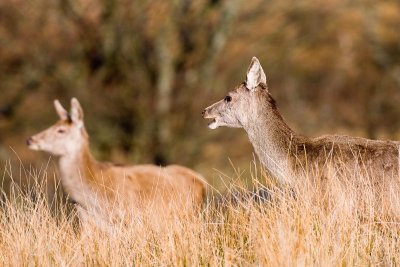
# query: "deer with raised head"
285,154
103,190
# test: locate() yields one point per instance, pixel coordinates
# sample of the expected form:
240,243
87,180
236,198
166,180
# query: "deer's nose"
203,112
29,141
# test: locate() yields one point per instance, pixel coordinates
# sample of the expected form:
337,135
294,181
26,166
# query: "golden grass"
308,226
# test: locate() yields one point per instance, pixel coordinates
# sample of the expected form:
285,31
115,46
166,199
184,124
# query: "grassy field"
340,224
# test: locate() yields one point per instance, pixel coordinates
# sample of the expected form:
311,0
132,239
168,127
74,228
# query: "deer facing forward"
102,189
286,154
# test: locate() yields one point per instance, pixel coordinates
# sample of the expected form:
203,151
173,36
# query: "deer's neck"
272,139
78,175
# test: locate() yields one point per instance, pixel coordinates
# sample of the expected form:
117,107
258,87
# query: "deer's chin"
213,125
34,147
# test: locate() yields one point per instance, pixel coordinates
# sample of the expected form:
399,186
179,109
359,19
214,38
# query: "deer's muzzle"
32,144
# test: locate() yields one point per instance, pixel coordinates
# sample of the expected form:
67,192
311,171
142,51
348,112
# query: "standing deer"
103,190
286,154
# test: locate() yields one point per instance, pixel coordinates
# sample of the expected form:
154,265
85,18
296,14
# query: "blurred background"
144,70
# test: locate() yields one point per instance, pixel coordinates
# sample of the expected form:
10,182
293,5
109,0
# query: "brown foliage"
144,70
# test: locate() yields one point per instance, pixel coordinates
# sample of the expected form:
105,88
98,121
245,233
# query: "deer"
103,190
286,155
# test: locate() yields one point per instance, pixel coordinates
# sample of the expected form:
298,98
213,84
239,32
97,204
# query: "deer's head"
241,105
65,136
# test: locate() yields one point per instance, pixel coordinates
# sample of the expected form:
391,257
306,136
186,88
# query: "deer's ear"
76,112
62,113
255,74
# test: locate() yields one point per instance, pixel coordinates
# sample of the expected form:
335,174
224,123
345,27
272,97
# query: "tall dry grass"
341,224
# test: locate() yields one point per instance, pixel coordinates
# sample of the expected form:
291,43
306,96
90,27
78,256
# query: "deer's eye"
61,131
228,99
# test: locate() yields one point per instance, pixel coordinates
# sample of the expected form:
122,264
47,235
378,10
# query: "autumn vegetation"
340,224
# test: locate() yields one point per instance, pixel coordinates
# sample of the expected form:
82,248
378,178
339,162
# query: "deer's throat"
77,175
271,139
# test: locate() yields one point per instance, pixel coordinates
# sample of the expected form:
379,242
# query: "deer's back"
158,184
377,157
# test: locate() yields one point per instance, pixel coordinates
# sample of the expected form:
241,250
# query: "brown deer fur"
104,189
286,154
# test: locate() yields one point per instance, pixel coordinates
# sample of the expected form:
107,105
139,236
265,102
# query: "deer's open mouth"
213,120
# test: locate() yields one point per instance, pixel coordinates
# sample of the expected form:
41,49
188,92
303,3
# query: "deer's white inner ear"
255,75
76,112
62,113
